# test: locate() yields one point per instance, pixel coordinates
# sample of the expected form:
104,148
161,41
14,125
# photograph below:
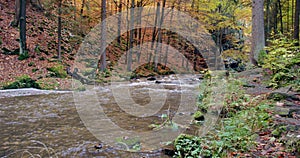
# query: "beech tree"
258,33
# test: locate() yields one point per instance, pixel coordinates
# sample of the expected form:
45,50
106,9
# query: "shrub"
282,62
187,146
22,82
23,56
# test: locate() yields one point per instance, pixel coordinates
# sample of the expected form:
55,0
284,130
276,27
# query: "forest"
238,59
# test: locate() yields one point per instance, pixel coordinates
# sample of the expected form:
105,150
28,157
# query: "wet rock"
198,116
283,112
233,64
169,150
281,96
98,146
151,78
158,82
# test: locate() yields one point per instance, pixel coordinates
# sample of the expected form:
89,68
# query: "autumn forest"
236,62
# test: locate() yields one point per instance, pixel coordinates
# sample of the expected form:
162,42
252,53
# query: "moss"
58,71
89,71
48,83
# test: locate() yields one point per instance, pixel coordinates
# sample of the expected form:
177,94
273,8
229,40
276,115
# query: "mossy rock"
284,112
278,131
198,116
89,71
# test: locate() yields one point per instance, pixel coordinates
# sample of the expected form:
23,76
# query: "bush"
236,133
22,82
23,56
282,62
187,146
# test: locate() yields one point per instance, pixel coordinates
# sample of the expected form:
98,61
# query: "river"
38,123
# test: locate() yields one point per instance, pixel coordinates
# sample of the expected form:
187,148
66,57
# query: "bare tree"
159,38
120,5
169,36
131,25
103,36
22,26
59,30
155,24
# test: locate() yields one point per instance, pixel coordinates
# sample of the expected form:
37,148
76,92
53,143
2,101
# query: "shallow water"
52,125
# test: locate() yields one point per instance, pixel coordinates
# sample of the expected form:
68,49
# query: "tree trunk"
296,23
59,30
36,4
22,26
155,24
293,2
268,18
258,34
16,21
288,17
140,29
169,38
128,32
281,18
103,36
275,24
81,9
75,10
159,38
119,22
129,60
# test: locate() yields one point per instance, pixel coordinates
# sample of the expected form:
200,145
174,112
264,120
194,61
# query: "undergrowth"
243,116
282,62
22,82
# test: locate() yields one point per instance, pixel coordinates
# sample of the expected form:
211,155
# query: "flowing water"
49,124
